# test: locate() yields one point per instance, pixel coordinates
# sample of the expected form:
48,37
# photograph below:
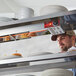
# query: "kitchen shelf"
38,63
23,22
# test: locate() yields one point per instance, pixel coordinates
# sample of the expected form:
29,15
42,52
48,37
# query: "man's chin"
64,49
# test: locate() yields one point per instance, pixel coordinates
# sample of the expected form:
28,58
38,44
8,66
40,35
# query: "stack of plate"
24,12
57,72
51,9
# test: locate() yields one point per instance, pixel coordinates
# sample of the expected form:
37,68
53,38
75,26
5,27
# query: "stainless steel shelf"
32,20
18,65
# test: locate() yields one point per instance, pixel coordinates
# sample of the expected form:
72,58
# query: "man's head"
65,40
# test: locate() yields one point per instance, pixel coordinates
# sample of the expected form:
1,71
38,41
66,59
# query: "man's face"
65,42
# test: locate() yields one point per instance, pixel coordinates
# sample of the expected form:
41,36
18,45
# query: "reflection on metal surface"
23,35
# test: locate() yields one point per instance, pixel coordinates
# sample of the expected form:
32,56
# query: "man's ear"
73,40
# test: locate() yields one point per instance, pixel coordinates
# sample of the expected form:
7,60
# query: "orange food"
17,54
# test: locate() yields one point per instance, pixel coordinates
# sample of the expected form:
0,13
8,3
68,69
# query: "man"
66,42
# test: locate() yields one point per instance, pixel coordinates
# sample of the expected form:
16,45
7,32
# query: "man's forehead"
62,35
